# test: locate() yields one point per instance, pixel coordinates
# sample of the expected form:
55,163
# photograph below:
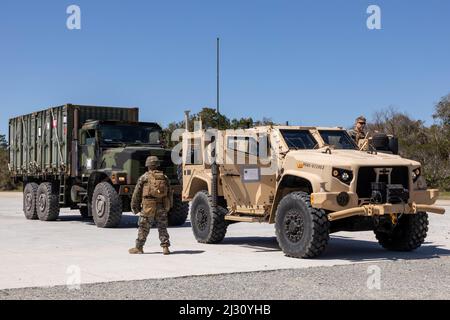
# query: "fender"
294,180
196,183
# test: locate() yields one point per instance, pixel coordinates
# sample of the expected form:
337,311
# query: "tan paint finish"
261,197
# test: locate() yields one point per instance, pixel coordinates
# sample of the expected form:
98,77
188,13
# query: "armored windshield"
299,139
130,134
338,138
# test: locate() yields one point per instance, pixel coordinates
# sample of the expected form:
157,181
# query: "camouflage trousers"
146,222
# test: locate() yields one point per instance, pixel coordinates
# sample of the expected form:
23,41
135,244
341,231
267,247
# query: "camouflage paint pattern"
130,160
41,142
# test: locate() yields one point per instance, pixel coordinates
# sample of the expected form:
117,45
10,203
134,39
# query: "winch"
388,193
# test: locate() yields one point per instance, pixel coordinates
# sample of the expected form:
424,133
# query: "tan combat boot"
166,250
136,251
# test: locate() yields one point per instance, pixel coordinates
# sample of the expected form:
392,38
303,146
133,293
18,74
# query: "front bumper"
382,209
126,190
419,201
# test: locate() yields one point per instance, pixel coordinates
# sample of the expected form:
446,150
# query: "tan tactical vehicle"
311,182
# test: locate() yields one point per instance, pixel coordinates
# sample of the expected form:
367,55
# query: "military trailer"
87,158
308,181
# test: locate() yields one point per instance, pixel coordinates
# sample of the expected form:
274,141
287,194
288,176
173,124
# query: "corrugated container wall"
41,142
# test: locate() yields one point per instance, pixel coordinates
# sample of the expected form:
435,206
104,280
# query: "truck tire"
106,206
208,224
407,235
29,201
178,214
47,202
302,231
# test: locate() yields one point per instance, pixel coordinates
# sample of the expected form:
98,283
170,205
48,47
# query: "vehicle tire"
47,202
302,231
106,206
208,224
29,201
180,174
409,233
178,214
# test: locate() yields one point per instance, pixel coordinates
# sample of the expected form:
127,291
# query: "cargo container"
87,158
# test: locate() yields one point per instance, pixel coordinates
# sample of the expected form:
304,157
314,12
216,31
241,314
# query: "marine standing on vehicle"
358,132
151,199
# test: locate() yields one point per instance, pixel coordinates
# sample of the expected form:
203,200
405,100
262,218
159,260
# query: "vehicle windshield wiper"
316,146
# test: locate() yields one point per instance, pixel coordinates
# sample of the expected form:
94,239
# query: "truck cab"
116,151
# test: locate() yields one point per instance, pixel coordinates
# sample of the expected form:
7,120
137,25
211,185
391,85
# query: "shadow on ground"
260,244
345,248
178,252
127,221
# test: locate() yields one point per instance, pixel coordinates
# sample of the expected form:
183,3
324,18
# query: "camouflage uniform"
356,133
159,216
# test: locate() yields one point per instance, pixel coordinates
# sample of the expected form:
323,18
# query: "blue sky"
309,62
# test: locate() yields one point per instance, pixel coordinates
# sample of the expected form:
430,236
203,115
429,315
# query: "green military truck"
87,158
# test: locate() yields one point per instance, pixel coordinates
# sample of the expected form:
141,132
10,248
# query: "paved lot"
36,254
398,279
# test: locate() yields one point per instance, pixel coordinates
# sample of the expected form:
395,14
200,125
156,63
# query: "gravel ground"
401,279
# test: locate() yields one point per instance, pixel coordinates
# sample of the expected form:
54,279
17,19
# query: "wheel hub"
202,219
42,202
28,201
294,226
100,205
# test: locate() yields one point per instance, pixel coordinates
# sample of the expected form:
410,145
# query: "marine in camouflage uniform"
358,132
159,208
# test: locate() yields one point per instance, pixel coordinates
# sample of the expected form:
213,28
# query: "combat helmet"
152,161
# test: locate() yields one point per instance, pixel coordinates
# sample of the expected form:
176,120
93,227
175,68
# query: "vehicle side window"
244,144
154,137
298,139
194,152
88,137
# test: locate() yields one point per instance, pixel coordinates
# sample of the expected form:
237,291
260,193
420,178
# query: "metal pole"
218,73
218,83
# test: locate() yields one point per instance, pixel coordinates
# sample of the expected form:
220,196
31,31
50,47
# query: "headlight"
119,177
345,176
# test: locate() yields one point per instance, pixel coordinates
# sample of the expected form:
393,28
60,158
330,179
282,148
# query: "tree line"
429,145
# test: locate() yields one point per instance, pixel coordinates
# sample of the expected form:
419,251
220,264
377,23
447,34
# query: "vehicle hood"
132,160
346,158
